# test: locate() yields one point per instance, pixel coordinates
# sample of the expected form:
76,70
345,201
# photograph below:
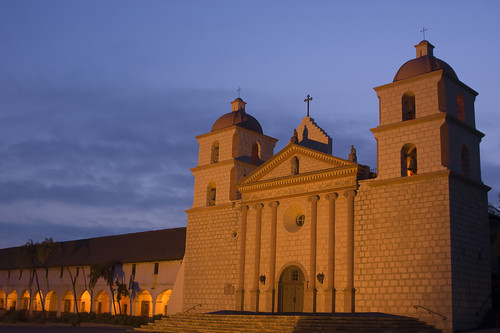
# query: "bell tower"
233,148
429,192
427,121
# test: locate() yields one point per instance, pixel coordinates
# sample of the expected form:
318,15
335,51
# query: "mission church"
302,230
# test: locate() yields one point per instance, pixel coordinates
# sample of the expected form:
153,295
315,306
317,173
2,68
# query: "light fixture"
262,279
320,277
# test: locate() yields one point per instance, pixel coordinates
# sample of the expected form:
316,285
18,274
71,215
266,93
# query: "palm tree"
44,251
106,271
73,284
121,290
28,259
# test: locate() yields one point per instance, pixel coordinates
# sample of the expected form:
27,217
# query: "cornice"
464,126
410,179
300,179
235,128
319,193
438,116
213,165
469,181
210,208
437,73
402,124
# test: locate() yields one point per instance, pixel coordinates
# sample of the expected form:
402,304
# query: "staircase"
294,323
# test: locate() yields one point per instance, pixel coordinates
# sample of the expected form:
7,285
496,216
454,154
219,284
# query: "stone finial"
424,48
352,156
237,105
295,138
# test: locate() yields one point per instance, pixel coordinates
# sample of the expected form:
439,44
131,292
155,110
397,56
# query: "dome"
424,63
237,117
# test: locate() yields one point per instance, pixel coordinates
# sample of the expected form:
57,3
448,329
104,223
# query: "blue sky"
100,100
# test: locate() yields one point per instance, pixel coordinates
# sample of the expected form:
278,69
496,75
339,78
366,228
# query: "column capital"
274,204
333,196
243,207
313,198
258,206
350,193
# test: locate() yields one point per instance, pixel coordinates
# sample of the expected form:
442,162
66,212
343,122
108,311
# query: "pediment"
310,162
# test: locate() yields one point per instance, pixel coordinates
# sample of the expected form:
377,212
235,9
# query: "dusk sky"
100,101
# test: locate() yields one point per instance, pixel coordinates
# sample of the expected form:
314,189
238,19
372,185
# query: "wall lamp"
262,279
320,277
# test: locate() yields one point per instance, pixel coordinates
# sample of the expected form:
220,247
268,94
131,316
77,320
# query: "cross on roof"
238,90
309,98
423,31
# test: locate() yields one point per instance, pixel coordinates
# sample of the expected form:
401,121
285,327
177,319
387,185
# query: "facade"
302,230
305,231
147,263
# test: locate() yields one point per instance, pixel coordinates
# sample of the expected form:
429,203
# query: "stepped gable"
157,245
312,136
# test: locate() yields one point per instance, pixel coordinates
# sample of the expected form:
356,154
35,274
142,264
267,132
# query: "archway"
2,300
122,306
68,302
291,290
37,301
102,302
162,302
51,302
25,304
12,300
84,302
142,304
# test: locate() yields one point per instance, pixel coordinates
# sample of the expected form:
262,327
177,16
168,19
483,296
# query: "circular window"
300,220
294,217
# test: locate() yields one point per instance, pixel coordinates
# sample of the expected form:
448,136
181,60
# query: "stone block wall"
403,247
470,252
211,259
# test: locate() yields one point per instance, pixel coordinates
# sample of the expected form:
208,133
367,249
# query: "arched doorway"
37,301
25,304
68,302
291,290
12,300
102,302
162,302
143,304
2,300
84,302
51,302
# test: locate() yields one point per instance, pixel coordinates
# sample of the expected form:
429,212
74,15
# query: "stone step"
254,323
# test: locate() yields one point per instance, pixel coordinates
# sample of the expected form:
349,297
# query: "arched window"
295,165
408,106
465,161
408,160
460,108
211,194
255,153
215,152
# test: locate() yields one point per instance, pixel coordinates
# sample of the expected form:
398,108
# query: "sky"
100,101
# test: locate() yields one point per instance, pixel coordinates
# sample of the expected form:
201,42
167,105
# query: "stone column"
271,290
312,251
330,291
153,307
349,291
243,243
256,268
59,301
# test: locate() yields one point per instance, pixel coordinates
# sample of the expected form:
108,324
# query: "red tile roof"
157,245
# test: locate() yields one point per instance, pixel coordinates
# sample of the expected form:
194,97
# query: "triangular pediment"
310,162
